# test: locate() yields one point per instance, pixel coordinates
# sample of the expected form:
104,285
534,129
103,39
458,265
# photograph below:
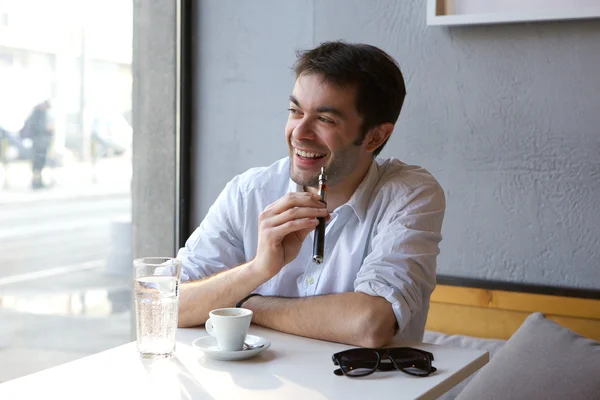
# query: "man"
384,217
39,127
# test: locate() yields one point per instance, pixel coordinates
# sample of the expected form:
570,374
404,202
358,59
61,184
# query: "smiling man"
254,247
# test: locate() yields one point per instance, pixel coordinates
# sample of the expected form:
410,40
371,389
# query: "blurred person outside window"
39,127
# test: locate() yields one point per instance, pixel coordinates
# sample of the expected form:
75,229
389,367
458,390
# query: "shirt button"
310,280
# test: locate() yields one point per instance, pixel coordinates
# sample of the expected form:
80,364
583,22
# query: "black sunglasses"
362,362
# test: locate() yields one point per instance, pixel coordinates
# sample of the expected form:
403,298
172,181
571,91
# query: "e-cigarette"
319,240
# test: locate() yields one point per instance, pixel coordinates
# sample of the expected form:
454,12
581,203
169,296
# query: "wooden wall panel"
498,314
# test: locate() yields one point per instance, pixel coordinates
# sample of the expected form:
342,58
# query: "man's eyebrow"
331,110
294,100
321,109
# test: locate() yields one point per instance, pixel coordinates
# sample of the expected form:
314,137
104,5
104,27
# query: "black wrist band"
239,304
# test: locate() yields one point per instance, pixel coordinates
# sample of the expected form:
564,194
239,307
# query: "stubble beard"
342,164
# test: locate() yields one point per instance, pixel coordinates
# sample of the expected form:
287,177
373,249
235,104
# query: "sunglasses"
362,362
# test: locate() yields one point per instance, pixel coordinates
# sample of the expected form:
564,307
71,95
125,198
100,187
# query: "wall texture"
507,118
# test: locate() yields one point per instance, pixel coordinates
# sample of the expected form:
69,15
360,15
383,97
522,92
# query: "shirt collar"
359,201
294,187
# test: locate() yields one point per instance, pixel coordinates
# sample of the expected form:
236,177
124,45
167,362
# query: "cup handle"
209,327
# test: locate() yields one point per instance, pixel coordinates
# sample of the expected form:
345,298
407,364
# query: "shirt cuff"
399,305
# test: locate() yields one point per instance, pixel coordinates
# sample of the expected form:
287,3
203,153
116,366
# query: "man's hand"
282,228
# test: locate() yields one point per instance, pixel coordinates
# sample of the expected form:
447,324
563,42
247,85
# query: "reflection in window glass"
65,178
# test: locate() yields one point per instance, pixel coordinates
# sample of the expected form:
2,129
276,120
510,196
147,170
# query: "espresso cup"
229,326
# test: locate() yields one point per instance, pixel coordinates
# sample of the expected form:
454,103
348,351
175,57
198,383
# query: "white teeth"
308,155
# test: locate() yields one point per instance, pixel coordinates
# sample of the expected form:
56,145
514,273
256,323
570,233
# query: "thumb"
302,234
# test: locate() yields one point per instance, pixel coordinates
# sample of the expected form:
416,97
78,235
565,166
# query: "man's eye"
326,120
293,111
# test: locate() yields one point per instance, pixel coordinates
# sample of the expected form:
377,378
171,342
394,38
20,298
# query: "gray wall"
507,117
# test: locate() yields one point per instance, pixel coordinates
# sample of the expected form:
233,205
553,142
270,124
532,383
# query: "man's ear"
377,136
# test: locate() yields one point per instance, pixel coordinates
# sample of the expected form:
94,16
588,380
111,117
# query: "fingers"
293,206
294,214
302,234
278,232
291,200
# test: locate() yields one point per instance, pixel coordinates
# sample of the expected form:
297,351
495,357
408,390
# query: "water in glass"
156,300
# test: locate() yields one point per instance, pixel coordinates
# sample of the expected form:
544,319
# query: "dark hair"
379,84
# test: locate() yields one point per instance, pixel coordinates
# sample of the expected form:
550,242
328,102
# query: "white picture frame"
479,12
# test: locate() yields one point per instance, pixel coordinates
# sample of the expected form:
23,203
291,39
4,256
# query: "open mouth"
308,156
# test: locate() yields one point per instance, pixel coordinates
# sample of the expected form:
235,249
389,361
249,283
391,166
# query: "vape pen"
319,241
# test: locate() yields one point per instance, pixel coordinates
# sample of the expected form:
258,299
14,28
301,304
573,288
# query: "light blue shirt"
383,242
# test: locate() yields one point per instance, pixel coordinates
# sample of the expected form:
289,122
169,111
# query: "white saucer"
208,345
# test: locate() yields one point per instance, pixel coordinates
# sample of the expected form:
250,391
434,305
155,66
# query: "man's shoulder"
261,178
401,185
399,177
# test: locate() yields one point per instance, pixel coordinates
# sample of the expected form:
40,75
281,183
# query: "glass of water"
156,290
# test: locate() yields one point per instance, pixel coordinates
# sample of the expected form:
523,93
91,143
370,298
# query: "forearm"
351,318
197,299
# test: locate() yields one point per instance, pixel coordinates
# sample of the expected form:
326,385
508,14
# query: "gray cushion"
492,346
542,360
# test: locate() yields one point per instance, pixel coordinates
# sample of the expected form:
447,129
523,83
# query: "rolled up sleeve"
401,264
216,245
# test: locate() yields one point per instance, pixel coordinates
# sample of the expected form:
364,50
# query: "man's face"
322,127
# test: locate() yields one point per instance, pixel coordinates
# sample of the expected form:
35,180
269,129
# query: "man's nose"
304,131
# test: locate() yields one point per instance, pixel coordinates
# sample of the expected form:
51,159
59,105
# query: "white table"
292,368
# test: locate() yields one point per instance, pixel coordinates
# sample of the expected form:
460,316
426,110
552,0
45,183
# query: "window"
66,138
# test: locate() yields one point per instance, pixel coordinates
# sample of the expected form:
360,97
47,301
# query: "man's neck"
342,192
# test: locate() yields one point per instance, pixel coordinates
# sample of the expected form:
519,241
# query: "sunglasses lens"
412,362
358,362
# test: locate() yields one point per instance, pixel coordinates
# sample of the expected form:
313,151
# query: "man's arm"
283,226
198,298
352,318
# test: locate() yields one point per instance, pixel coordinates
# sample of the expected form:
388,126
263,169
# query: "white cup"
229,326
